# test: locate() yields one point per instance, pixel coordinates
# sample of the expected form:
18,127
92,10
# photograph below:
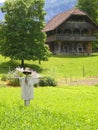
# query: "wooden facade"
71,32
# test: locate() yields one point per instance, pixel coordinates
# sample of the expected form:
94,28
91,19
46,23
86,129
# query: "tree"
1,40
23,38
90,7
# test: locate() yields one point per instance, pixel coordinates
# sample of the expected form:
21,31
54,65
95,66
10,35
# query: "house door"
80,48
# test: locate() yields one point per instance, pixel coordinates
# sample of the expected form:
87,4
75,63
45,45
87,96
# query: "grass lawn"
53,108
59,66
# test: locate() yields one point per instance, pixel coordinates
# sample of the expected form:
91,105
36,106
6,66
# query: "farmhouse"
71,32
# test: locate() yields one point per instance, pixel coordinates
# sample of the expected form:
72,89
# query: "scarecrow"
27,84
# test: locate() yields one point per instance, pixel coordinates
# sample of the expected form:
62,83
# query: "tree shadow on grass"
34,67
5,67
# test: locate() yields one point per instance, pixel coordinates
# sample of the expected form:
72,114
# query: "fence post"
83,71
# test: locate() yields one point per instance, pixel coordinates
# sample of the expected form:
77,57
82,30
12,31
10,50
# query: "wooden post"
89,48
22,63
83,71
59,47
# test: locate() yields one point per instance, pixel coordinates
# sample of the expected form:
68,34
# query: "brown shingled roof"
60,18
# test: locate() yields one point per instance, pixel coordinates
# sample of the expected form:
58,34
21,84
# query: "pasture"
58,66
54,108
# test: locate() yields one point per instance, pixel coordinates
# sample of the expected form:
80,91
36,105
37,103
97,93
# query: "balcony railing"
78,25
70,38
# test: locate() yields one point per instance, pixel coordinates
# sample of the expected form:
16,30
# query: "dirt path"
83,81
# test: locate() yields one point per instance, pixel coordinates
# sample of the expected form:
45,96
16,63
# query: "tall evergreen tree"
23,38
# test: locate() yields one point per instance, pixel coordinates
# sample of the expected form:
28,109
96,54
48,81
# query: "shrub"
36,85
4,77
47,81
13,82
10,78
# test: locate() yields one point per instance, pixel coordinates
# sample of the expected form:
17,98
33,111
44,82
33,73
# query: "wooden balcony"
78,25
70,38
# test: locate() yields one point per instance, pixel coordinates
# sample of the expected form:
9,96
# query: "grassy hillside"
58,66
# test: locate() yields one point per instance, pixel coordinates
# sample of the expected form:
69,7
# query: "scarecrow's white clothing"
27,88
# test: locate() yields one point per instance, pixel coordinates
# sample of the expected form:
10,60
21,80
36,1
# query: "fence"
67,80
73,81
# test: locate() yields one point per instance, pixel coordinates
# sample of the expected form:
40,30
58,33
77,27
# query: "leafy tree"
90,7
23,38
1,40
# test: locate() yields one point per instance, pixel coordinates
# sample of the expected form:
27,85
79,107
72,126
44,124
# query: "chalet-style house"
71,32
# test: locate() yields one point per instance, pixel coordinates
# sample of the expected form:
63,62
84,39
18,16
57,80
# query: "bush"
13,82
47,81
4,77
10,79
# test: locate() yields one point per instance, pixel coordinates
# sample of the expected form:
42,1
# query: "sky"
52,7
2,1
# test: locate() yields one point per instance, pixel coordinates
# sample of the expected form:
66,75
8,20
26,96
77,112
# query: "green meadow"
53,108
58,66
